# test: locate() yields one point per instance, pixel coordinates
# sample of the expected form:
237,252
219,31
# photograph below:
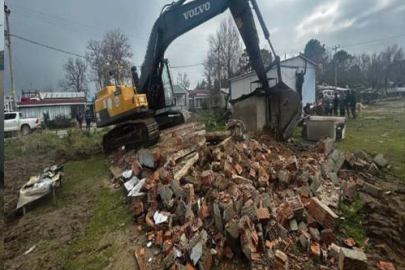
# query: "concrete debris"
352,260
380,161
209,197
372,190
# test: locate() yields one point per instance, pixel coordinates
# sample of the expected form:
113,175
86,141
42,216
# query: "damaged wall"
244,85
252,111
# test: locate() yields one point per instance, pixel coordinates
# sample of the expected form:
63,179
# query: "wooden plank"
140,261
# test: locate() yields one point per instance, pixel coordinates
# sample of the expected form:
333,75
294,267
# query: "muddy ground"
56,229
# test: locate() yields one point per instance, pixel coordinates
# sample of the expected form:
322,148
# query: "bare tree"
223,59
183,80
105,56
75,75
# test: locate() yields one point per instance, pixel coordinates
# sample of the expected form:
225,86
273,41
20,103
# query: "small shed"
181,96
248,83
65,104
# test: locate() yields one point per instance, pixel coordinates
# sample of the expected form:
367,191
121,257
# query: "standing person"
79,119
353,103
88,119
335,104
300,81
347,103
342,107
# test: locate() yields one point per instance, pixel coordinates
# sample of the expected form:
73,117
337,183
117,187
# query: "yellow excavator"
139,111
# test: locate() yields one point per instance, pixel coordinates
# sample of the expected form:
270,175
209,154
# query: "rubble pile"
202,198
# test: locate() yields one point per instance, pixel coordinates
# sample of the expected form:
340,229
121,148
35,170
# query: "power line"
372,41
187,66
53,18
47,46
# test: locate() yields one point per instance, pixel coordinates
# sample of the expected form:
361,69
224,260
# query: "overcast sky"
69,24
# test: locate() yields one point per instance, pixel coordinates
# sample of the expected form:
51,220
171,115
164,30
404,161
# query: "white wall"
244,85
37,112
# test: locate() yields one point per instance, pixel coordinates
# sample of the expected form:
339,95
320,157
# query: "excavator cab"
167,85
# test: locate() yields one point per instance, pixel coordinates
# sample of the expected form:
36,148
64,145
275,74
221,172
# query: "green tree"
315,51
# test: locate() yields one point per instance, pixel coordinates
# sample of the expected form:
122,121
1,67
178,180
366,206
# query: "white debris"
160,218
129,185
135,191
196,253
127,174
30,250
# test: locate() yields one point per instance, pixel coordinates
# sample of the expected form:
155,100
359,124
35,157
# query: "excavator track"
132,135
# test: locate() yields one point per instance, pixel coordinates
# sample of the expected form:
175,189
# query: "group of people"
87,117
344,104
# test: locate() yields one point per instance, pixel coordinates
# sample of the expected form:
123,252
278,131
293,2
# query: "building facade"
55,104
181,97
248,83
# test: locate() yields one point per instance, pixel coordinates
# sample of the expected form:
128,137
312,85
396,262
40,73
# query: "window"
10,116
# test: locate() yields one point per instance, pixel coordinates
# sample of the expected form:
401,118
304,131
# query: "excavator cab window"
167,85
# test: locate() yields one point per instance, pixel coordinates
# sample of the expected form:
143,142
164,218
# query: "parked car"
15,122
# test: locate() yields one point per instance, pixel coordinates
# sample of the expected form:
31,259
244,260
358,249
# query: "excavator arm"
182,16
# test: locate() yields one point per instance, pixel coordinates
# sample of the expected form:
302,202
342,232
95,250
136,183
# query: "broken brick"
373,169
207,177
385,265
315,249
281,260
159,237
328,237
138,209
228,169
322,213
238,169
292,165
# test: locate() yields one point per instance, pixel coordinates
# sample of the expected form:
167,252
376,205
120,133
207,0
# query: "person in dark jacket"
300,81
79,119
88,119
347,104
335,105
342,107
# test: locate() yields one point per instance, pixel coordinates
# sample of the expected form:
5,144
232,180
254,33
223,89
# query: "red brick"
322,213
136,167
138,209
159,237
238,169
228,169
315,250
385,265
328,237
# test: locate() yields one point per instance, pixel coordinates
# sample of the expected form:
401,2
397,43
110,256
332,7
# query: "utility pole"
217,96
8,37
335,49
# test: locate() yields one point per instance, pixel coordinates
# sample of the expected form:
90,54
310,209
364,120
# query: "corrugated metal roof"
177,89
56,95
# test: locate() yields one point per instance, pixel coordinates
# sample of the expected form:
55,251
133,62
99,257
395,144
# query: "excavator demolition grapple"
140,111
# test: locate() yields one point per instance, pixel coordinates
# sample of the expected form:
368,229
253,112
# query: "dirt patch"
48,227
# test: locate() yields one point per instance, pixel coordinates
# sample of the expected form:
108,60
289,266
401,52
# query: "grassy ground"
380,130
110,215
212,120
77,144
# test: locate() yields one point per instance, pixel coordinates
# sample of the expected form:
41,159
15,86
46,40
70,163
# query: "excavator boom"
182,16
138,120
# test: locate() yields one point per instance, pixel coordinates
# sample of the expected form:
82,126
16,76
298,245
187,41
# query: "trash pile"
203,197
40,185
